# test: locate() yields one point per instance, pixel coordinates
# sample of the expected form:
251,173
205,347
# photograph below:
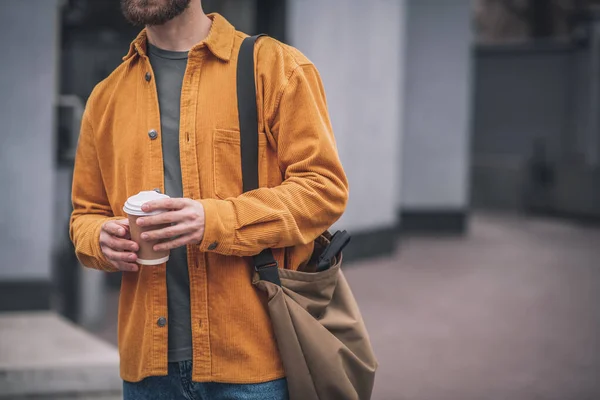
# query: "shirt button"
162,321
148,76
153,134
213,245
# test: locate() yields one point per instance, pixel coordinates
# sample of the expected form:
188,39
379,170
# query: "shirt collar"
219,41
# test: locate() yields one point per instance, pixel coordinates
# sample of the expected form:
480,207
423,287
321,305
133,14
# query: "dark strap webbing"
248,114
264,263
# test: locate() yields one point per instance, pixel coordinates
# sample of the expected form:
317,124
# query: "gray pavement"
42,356
509,312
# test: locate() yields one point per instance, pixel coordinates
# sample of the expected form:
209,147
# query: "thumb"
124,223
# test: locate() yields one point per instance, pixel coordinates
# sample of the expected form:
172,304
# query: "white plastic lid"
133,205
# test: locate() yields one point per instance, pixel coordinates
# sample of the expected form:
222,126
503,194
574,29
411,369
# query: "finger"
168,232
114,229
178,242
164,204
124,222
165,218
119,256
127,267
118,244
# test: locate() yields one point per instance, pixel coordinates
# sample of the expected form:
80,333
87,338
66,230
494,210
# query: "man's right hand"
117,246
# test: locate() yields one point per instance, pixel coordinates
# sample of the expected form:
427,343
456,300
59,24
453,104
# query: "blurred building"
536,127
398,76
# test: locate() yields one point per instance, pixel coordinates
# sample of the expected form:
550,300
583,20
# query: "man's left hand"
185,217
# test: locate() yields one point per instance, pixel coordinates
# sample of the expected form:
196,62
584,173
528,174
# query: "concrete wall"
436,147
358,48
523,94
241,13
28,85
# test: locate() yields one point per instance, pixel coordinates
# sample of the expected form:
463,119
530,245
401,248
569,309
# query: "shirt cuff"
219,227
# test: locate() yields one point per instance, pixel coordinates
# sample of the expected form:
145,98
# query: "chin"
152,12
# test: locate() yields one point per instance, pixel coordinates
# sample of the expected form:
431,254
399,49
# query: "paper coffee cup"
133,209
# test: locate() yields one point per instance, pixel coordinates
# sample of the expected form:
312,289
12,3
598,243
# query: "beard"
152,12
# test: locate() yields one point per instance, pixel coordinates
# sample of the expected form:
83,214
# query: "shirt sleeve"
313,194
91,208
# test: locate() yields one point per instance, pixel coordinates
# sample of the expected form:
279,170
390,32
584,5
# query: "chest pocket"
227,162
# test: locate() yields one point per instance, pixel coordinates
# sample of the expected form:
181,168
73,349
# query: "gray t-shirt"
169,68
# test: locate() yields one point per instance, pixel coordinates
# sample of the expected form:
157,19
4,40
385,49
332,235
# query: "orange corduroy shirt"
303,190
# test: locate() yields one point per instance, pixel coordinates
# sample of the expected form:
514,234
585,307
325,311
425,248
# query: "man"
167,119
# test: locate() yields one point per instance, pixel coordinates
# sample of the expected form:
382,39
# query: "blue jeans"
178,385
